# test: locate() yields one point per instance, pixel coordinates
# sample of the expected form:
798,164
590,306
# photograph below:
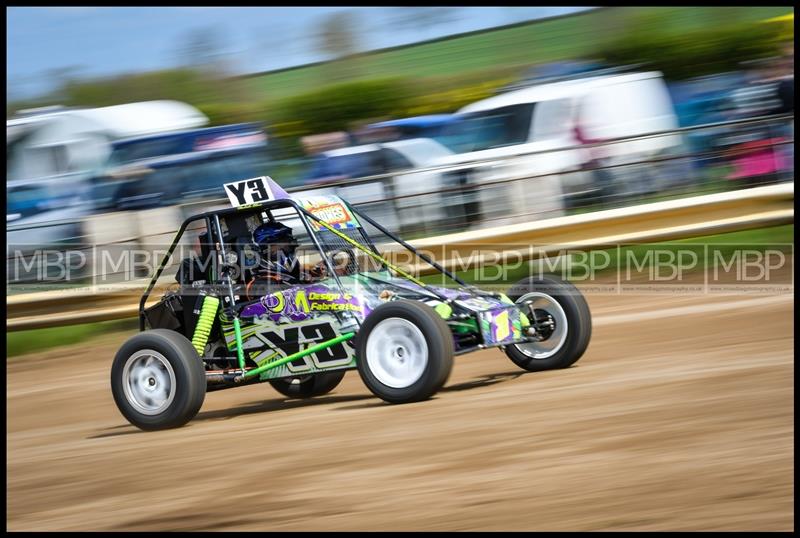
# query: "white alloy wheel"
397,353
148,381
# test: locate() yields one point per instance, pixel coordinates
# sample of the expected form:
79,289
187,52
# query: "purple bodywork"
499,321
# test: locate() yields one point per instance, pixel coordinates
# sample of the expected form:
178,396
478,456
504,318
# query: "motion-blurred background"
460,118
121,122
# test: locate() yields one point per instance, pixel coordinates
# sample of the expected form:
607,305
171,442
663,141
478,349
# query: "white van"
503,129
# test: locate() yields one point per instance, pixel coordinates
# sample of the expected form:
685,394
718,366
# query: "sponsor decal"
296,304
499,326
331,210
502,326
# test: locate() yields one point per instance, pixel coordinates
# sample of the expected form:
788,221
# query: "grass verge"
22,342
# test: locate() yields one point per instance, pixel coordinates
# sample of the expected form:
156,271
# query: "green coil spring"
204,323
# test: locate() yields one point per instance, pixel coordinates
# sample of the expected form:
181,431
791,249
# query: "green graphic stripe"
299,354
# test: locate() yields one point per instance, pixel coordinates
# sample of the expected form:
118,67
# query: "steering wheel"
340,259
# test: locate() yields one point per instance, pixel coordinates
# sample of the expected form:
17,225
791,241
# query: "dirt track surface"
678,417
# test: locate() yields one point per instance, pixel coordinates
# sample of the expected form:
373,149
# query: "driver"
276,247
278,266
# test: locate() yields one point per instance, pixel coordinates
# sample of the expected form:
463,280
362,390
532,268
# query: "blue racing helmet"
272,232
273,237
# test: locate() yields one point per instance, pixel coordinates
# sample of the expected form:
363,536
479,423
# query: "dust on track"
679,423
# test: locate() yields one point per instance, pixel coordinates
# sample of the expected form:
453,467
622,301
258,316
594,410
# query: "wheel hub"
397,352
148,382
549,324
543,323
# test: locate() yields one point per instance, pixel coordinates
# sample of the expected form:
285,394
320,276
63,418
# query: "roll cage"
221,250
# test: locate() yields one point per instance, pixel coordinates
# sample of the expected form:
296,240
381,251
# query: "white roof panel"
149,117
131,119
553,90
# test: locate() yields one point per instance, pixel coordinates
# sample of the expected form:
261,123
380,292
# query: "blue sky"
99,41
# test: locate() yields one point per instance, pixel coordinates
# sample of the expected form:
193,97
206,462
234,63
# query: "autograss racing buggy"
292,291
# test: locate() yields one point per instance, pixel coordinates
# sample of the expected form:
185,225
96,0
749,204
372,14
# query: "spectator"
757,155
785,93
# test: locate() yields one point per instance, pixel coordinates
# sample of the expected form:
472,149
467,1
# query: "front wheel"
308,386
405,351
560,319
158,380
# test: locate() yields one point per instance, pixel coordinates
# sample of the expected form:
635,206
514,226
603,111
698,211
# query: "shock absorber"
204,323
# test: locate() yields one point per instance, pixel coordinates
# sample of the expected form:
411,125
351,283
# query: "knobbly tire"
561,311
405,352
158,380
308,386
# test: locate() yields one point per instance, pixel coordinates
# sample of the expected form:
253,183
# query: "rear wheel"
405,352
561,320
158,380
308,386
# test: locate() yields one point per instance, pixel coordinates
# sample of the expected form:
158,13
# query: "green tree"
681,55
